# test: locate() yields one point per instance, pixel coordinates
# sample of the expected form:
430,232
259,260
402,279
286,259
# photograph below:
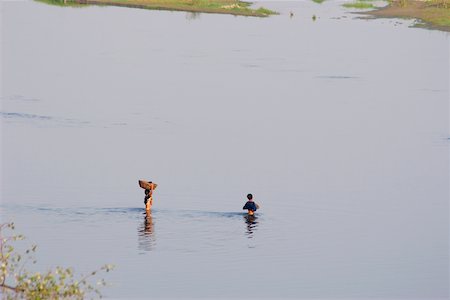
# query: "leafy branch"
16,282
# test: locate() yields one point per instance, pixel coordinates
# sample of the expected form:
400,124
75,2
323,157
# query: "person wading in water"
250,206
149,188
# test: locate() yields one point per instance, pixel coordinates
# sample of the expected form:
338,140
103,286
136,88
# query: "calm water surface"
339,127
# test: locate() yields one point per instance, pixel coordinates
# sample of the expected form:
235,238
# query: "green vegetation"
265,11
61,3
429,3
437,12
233,7
439,3
319,1
433,16
18,283
359,4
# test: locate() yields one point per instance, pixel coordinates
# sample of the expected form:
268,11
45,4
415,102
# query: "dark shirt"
250,205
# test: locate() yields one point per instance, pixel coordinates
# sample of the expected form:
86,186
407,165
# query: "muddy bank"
433,14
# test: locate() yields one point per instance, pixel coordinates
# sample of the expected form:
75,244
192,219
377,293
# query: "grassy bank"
358,4
433,13
233,7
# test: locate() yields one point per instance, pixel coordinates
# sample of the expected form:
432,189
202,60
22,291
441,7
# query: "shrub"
58,283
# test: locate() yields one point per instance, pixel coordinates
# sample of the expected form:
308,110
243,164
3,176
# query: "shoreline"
434,14
229,7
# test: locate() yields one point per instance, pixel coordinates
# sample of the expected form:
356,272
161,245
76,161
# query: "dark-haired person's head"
249,196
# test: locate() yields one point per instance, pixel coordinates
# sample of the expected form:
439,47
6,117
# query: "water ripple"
20,98
336,77
11,115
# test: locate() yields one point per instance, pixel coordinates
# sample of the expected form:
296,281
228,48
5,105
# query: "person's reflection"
146,233
252,224
192,16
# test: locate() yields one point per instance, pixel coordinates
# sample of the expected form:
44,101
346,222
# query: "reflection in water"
192,15
252,225
146,236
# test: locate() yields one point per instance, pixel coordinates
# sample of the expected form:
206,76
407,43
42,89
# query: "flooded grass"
233,7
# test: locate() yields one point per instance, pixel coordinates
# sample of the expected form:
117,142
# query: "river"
339,127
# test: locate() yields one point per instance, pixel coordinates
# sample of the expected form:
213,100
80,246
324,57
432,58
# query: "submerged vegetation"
233,7
16,282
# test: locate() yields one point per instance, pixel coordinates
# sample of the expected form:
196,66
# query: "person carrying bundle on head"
148,187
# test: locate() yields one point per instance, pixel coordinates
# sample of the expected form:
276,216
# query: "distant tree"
58,283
